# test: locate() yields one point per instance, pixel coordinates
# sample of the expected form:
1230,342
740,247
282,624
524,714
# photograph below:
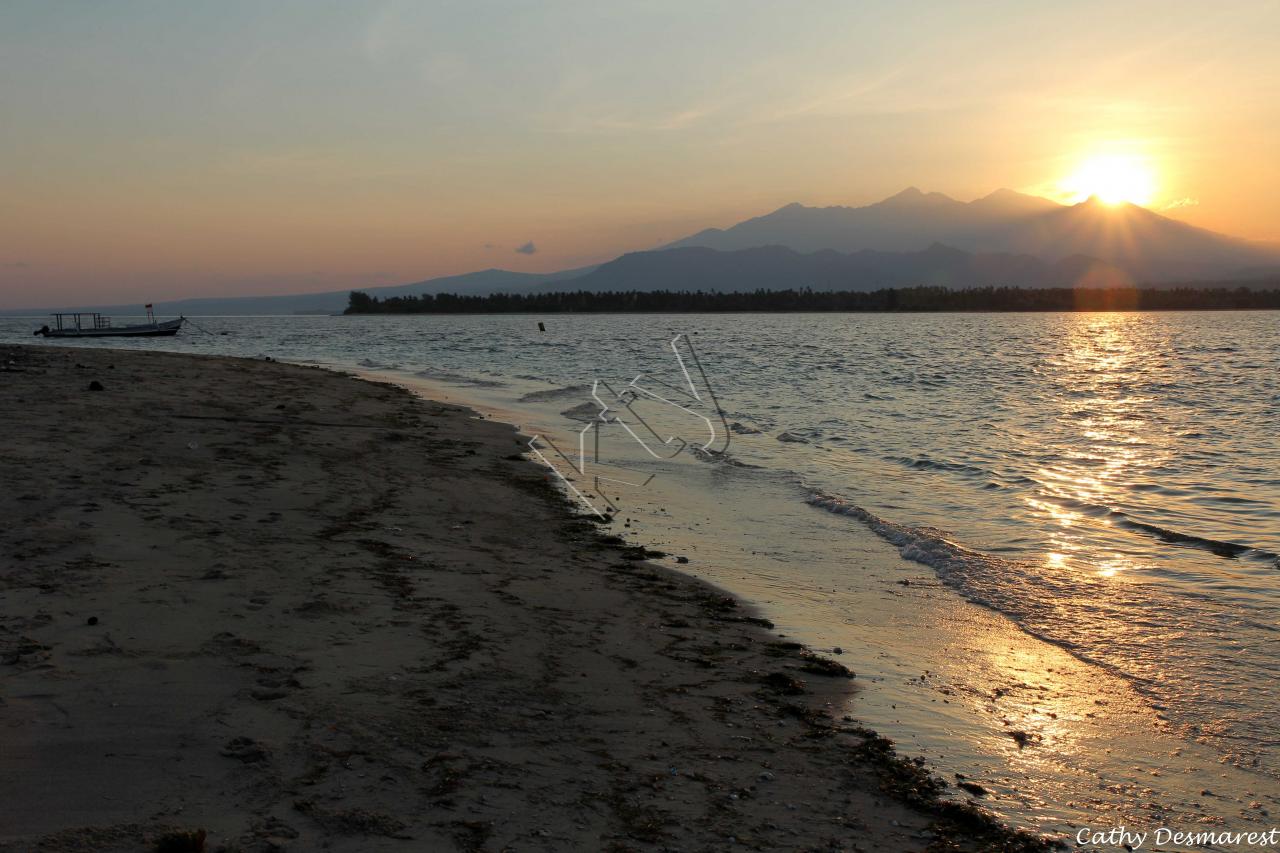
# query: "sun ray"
1112,179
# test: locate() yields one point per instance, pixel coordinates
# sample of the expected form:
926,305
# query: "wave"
1119,518
569,391
1034,599
751,420
919,544
721,457
585,412
972,571
1124,521
802,435
458,378
941,465
1230,550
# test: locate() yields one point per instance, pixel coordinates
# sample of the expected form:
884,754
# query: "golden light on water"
1112,178
1110,568
1112,445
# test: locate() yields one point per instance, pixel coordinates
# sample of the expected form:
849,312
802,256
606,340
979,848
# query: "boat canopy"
81,320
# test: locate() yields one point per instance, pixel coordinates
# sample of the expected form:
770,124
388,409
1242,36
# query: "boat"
90,324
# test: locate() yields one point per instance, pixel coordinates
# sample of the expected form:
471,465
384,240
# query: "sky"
155,150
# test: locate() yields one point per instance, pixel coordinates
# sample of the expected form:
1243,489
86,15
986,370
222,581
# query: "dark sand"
298,611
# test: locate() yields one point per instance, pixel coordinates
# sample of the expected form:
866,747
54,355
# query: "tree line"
886,299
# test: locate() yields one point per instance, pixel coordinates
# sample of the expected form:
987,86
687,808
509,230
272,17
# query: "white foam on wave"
920,545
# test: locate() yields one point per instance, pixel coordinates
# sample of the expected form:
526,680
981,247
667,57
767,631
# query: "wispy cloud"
679,119
1188,201
851,96
527,248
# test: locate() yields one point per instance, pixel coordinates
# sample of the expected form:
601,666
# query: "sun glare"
1113,179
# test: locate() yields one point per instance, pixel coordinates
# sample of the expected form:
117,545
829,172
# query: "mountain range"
914,237
1148,247
696,268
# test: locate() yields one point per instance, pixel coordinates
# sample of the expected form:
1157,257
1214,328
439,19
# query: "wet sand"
291,610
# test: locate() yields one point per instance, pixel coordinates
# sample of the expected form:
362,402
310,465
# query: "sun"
1113,179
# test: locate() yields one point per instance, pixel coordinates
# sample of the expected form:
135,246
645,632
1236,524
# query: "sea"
1048,544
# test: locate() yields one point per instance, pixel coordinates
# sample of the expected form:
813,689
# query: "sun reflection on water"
1107,442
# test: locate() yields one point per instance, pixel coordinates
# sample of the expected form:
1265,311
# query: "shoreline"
465,664
1042,738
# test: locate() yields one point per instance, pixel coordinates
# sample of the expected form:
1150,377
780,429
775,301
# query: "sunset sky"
156,150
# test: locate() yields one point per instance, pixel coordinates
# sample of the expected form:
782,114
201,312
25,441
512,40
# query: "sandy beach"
251,606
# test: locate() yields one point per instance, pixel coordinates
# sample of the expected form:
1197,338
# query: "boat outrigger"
90,324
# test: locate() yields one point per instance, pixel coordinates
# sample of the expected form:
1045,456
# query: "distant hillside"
907,221
1146,245
780,268
334,301
908,299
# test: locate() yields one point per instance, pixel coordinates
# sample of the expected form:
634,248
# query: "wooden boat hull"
148,330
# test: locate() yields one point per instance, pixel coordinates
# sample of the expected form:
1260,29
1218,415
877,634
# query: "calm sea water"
1108,482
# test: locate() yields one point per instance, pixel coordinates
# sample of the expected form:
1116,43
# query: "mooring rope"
203,329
